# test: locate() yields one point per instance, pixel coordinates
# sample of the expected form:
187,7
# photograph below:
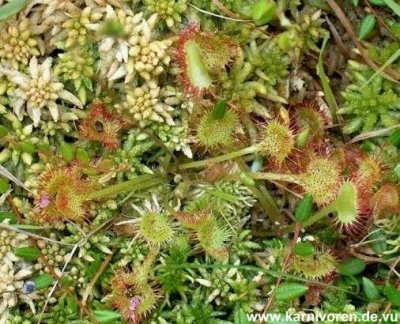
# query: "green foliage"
9,9
304,208
370,289
27,253
351,267
367,25
263,11
370,105
174,280
392,294
290,291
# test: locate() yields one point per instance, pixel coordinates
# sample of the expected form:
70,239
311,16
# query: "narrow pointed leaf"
219,109
351,267
43,281
370,289
106,316
11,8
367,25
27,253
290,291
303,210
392,294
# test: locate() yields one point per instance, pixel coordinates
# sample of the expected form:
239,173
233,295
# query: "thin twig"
284,268
91,284
370,259
216,15
387,310
393,268
338,40
39,237
56,283
225,10
4,172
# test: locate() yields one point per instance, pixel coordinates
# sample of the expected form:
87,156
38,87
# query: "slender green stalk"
320,214
267,203
138,183
329,96
221,158
264,197
274,177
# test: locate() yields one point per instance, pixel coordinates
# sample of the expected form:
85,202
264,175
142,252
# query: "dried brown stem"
91,284
338,40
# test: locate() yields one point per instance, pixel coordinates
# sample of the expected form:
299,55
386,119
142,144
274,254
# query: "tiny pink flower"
133,304
44,200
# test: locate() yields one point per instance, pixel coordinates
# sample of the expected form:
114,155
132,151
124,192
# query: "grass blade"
330,98
9,9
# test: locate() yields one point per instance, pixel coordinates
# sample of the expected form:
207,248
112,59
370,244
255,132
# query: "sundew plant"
199,161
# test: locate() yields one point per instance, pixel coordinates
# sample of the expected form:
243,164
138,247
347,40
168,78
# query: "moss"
370,103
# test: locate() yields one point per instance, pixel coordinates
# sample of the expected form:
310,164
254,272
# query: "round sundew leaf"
290,291
303,137
197,71
346,204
